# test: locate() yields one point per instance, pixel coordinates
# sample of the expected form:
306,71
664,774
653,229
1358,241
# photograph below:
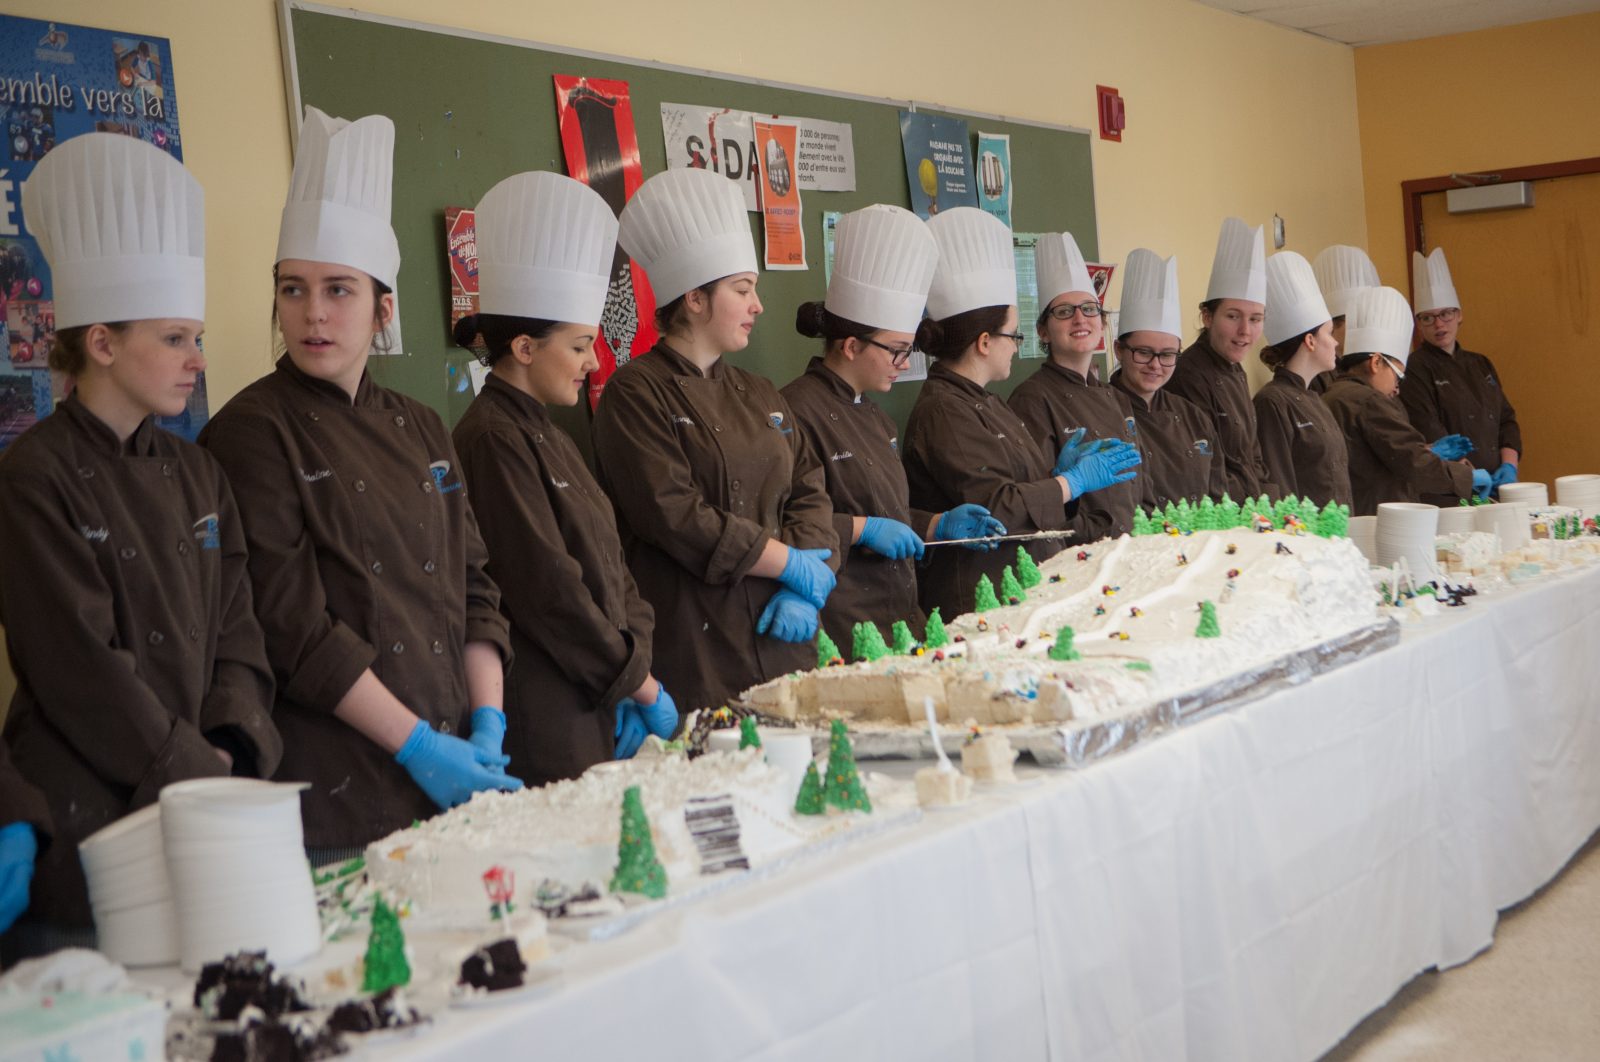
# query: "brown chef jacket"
1460,393
1222,391
1389,459
1055,402
363,554
1301,442
1177,440
704,469
128,620
965,445
579,629
858,446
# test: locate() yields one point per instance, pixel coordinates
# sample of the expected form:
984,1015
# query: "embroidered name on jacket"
312,477
1304,424
685,421
441,470
205,532
94,534
842,455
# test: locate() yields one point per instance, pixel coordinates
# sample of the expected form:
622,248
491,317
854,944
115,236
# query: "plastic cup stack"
1533,495
236,858
1364,533
1508,521
1408,529
1457,519
784,750
126,866
1579,492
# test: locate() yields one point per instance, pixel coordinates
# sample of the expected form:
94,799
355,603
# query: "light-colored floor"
1533,997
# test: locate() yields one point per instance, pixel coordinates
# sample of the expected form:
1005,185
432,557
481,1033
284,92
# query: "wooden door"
1526,280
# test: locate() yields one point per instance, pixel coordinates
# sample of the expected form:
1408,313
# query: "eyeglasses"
1144,356
1016,337
1064,312
899,357
1445,316
1394,366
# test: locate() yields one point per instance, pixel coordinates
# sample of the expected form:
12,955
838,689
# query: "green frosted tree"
1206,515
827,651
904,643
1028,573
809,800
983,598
1208,622
1062,649
1339,521
1141,523
1286,505
1010,589
843,788
934,636
386,966
1183,515
638,869
1227,513
1170,514
749,737
868,642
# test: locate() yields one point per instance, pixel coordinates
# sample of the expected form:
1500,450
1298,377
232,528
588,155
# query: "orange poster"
780,195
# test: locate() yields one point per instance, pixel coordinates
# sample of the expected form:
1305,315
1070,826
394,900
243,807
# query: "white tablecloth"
1247,888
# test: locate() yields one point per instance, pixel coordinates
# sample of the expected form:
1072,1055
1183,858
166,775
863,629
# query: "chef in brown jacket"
123,588
383,628
1389,460
1063,397
1300,441
1211,372
1176,437
963,443
723,511
580,690
1449,389
884,258
1341,271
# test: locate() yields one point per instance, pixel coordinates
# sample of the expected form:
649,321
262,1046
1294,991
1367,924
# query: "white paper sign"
712,138
827,155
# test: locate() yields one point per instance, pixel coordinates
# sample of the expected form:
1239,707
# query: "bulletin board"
470,110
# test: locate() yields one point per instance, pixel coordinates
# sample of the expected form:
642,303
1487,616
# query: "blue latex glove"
969,521
1113,463
18,846
788,617
890,538
662,716
489,733
448,769
1506,473
1481,482
1452,447
1071,453
631,728
806,574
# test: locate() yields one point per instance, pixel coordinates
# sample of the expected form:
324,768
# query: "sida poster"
59,81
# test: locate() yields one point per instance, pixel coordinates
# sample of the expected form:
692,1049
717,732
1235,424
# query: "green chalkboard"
470,111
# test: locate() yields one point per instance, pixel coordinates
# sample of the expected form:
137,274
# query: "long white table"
1247,888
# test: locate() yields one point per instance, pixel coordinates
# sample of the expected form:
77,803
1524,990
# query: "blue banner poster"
994,174
58,81
938,162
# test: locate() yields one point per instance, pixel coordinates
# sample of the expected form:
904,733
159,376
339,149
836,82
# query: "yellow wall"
1468,102
1204,89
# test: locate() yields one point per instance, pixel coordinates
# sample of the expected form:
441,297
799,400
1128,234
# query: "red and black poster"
461,243
602,150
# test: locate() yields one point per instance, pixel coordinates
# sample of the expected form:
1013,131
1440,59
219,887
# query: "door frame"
1413,191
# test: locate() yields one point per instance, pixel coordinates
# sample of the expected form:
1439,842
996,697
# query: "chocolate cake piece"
495,967
386,1010
274,1041
244,979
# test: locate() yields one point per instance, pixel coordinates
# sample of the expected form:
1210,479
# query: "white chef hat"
1150,295
1060,267
977,265
122,224
1340,270
884,258
1431,285
545,246
1238,271
340,194
1378,321
687,228
1294,302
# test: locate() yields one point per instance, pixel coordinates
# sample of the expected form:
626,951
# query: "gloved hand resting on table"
1482,482
969,521
805,574
890,538
449,769
489,734
1452,447
18,846
788,617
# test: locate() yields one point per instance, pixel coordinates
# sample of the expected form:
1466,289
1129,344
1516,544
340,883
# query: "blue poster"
994,174
58,81
938,162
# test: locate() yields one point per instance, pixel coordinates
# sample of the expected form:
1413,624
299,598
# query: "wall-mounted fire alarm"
1113,113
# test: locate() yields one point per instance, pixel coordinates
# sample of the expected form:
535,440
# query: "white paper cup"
789,753
1533,495
1456,519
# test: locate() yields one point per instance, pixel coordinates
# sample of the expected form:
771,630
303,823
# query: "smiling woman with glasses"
883,264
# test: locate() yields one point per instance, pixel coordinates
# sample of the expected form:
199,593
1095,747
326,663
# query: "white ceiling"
1361,22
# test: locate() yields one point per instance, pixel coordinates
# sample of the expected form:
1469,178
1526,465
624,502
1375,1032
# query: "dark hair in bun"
498,331
815,321
950,337
1278,354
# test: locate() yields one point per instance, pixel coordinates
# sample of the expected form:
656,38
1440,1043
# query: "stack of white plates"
1456,519
236,858
126,867
1364,533
1579,492
1533,495
1408,530
1508,521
